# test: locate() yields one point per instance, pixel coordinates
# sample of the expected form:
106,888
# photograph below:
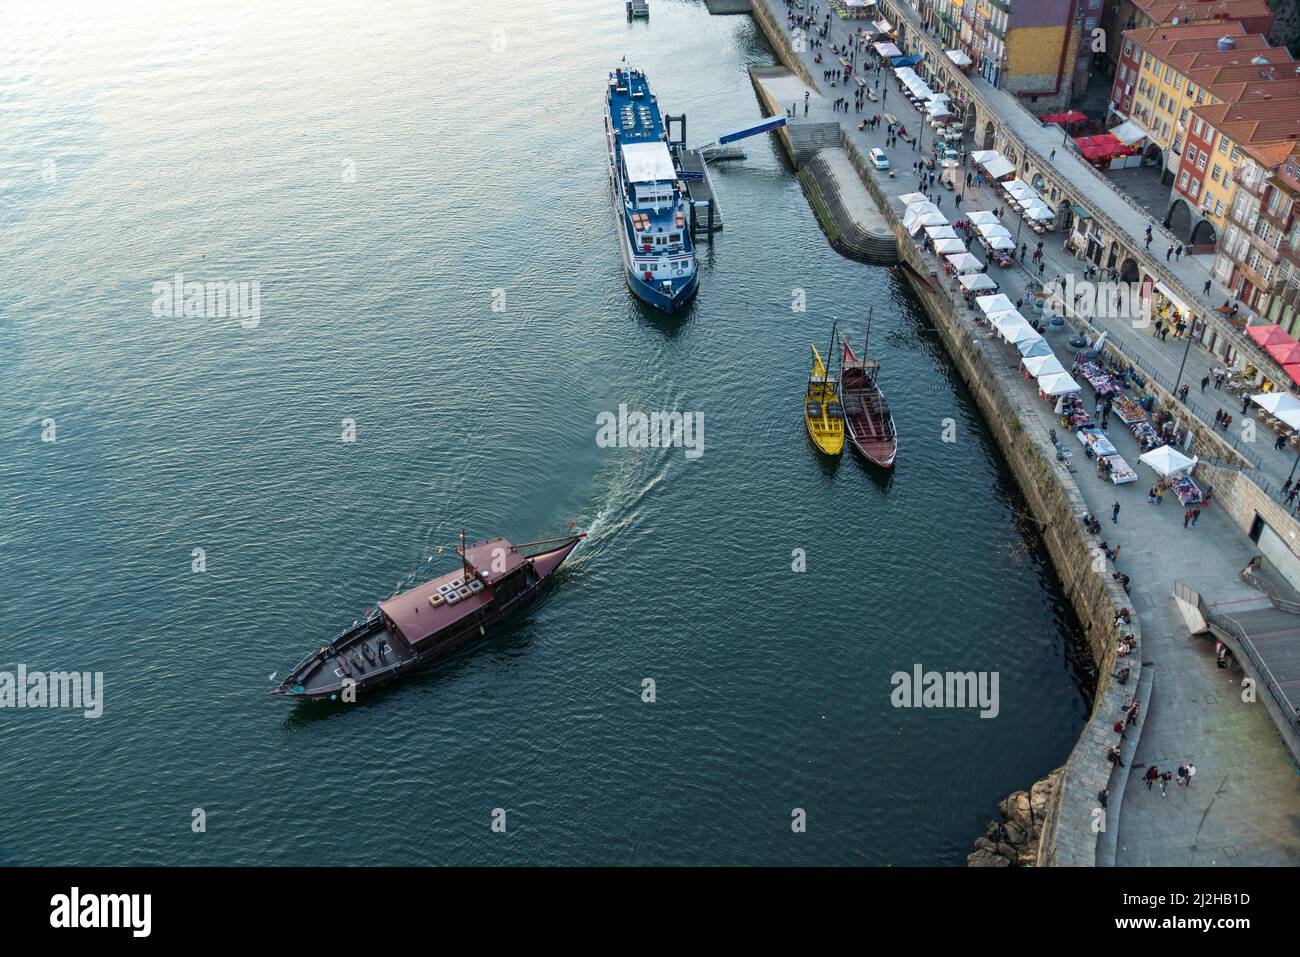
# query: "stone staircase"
846,235
807,138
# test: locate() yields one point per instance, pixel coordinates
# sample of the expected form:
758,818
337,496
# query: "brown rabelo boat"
428,622
869,422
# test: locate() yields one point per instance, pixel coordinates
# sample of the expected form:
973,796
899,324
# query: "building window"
1196,127
1214,174
1236,154
1218,208
1223,144
1182,182
1200,97
1128,47
1191,153
1178,81
1200,161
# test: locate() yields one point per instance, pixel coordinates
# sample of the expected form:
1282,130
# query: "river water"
386,174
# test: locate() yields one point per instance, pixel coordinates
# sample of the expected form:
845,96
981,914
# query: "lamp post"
1186,349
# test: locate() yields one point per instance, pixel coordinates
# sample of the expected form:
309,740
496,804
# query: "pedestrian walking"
1204,382
1191,773
1148,241
1052,155
1160,494
1151,496
1196,513
1113,756
1169,253
1205,290
1164,783
1178,253
1182,774
1114,514
1152,775
1187,518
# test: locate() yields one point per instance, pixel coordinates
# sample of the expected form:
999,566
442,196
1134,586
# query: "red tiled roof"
1162,11
1254,122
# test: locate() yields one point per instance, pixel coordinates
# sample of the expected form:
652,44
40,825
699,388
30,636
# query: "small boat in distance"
822,413
412,630
652,218
870,423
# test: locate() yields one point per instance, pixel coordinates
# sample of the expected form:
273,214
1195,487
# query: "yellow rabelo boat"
822,412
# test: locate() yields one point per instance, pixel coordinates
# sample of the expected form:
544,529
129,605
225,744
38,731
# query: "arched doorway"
1179,219
1038,183
1152,155
1128,270
988,136
1011,156
1204,234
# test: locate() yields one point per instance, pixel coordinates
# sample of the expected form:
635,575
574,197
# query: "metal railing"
1234,627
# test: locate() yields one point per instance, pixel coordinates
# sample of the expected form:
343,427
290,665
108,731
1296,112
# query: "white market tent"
888,50
1019,190
911,199
983,156
1002,242
947,246
995,304
977,281
1042,365
959,57
999,167
937,109
941,232
965,262
1128,133
913,222
1058,383
993,230
981,217
1034,348
1021,333
1167,460
1291,417
925,206
1006,319
1038,210
1275,403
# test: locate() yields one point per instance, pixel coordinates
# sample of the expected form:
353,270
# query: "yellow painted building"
1157,89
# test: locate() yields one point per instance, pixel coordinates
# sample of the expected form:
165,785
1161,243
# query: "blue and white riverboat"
654,235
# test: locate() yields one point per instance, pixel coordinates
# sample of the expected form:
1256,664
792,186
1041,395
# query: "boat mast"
871,312
467,570
830,355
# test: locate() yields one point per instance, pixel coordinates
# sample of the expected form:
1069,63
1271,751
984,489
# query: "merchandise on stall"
1096,440
1120,471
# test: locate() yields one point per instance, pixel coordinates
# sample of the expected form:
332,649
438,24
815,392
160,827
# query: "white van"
878,158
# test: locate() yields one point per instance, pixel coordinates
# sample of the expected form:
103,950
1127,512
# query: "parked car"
878,158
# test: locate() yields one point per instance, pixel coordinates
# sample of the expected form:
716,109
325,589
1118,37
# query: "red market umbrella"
1293,370
1103,146
1269,334
1285,353
1063,119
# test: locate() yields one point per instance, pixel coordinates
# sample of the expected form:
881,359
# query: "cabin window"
674,237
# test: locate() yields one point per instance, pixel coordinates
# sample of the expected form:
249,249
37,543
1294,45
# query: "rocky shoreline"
1014,841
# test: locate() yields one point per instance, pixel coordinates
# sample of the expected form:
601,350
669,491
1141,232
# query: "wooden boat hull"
868,420
823,415
389,657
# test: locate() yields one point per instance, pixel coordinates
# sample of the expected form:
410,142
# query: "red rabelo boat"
428,622
867,418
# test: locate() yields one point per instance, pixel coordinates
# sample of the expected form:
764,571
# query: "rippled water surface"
218,140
